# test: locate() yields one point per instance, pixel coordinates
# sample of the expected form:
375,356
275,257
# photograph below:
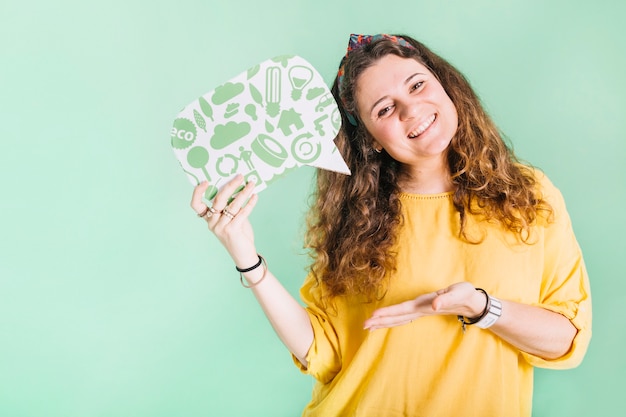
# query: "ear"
377,146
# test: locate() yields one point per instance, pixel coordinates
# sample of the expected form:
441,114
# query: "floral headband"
356,42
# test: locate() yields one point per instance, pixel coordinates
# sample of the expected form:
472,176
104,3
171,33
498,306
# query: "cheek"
383,133
455,118
453,115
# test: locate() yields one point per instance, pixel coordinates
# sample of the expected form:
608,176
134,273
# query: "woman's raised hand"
229,221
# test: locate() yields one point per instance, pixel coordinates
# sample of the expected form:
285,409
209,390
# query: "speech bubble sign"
268,120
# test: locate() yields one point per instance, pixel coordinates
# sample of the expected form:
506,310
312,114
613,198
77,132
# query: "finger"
240,199
231,211
421,304
406,307
247,209
196,197
390,321
221,199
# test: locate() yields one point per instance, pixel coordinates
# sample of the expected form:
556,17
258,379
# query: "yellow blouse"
430,367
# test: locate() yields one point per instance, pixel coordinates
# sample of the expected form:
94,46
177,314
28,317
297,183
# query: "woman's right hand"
229,222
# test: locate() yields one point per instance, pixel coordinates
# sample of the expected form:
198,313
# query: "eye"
384,111
417,85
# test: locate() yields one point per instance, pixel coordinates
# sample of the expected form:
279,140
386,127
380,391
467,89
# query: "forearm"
288,318
233,229
531,329
535,330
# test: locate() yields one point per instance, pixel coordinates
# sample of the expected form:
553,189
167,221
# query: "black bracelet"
254,284
481,316
252,268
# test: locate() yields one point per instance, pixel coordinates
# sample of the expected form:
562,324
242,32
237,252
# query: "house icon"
288,119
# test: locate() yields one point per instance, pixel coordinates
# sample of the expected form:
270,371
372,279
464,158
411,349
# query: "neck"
429,177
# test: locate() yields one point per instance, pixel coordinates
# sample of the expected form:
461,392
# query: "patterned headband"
356,42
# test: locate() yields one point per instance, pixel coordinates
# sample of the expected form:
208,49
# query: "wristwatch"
494,311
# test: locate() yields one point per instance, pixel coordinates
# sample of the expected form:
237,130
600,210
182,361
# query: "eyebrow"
407,81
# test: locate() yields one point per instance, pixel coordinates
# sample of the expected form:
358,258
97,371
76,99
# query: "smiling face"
407,111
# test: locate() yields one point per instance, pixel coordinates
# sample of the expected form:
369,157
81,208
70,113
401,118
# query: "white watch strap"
494,313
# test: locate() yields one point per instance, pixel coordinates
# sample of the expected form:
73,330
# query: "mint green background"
116,301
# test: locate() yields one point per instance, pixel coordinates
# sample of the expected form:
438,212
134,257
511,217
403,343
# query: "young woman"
443,269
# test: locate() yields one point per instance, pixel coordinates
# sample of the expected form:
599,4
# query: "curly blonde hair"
353,222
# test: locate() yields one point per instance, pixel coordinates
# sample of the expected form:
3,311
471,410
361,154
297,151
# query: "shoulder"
545,188
549,196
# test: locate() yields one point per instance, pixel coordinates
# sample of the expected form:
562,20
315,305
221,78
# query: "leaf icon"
282,60
252,71
256,95
206,108
199,120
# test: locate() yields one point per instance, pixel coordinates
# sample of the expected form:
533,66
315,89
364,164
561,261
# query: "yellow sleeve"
323,358
565,284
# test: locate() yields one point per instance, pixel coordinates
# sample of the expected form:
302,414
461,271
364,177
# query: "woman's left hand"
457,299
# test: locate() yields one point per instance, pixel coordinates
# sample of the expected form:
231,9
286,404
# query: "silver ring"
227,213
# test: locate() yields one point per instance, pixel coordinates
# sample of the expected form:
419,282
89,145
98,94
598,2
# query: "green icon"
198,157
288,119
253,71
211,192
256,95
283,60
231,110
299,77
199,120
269,150
325,101
272,90
226,92
206,108
246,156
183,133
314,93
224,168
303,150
224,135
319,127
250,110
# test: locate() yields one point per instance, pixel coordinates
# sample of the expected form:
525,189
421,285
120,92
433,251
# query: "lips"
422,127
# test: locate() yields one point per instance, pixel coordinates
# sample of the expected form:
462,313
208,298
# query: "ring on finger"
211,212
227,213
207,212
204,212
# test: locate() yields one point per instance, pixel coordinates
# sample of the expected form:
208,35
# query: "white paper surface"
272,118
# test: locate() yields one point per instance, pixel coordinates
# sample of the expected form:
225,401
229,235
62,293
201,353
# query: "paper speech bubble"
272,118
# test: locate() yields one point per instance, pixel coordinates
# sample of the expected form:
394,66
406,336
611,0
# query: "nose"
408,110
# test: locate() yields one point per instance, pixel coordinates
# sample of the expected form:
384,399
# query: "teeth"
421,128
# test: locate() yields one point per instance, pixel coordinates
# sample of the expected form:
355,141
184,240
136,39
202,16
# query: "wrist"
477,304
243,261
490,313
253,274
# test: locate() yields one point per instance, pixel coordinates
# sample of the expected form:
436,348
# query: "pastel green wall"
115,300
